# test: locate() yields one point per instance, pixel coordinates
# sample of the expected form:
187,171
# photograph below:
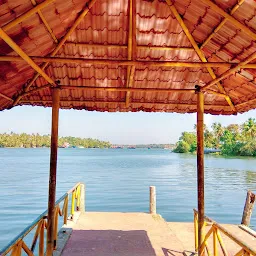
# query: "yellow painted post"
56,217
73,203
17,249
78,198
215,242
41,240
196,231
65,209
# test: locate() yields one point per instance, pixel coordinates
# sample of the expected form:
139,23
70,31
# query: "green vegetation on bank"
35,140
233,140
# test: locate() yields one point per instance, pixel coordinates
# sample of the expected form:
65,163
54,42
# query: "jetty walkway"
135,234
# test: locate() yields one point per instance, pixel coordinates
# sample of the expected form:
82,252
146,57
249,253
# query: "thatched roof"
127,55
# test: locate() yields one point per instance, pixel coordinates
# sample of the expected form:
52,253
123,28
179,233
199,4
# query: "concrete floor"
137,234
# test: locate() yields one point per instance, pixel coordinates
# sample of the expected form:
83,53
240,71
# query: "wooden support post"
53,170
82,198
248,207
200,166
152,207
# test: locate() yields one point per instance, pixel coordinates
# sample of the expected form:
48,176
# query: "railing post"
152,207
200,166
53,170
82,198
248,207
196,230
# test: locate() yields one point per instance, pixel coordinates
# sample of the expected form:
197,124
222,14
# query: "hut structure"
179,56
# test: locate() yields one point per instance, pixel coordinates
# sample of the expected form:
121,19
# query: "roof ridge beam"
86,9
235,22
197,49
221,24
131,47
118,46
137,63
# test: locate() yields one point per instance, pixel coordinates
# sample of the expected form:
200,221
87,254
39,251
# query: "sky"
118,128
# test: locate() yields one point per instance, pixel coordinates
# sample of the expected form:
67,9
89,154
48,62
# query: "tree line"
234,139
35,140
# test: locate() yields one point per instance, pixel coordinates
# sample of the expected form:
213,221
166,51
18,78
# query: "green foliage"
182,147
36,140
231,140
186,143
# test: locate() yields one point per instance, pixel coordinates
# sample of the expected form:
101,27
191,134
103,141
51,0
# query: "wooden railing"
215,231
17,246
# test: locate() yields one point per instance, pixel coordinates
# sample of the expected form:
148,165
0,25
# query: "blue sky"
118,128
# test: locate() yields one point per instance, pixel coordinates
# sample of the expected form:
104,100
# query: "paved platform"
137,234
122,234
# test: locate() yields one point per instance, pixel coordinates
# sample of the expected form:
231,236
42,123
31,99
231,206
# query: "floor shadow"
169,252
109,242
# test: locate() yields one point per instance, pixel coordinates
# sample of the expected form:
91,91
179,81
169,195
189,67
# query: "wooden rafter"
118,46
246,103
123,102
230,18
230,71
6,97
48,28
197,49
131,47
26,15
81,16
221,24
136,63
24,56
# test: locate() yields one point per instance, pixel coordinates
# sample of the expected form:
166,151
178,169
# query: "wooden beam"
81,16
200,168
235,22
26,15
119,89
6,97
137,63
24,56
196,47
118,46
125,89
48,28
53,171
253,101
221,24
230,71
131,47
194,105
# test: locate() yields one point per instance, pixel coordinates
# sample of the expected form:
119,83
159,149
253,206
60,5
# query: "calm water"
119,180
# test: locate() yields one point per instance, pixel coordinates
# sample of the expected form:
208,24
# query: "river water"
119,180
